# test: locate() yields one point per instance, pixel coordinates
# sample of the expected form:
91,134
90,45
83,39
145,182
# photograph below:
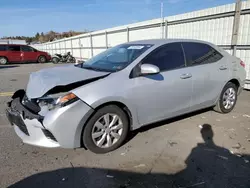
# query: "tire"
91,141
3,60
224,96
42,59
55,60
73,60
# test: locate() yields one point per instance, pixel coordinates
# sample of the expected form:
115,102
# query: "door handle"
223,68
186,76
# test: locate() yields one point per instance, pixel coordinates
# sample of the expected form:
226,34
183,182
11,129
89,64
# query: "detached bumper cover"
60,127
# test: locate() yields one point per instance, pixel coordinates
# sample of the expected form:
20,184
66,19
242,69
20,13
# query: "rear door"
166,94
14,53
28,54
209,73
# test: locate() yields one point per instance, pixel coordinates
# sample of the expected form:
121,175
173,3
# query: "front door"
14,53
166,94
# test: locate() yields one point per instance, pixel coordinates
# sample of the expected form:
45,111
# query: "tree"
37,36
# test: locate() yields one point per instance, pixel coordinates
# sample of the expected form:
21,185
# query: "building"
12,41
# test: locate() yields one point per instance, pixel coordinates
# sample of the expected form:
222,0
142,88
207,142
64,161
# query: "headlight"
66,99
54,101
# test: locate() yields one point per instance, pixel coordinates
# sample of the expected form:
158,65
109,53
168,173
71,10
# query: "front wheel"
228,99
106,130
3,61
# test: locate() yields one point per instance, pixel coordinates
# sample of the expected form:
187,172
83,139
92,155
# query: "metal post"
162,21
166,29
106,40
65,46
60,47
80,47
51,47
71,47
127,34
91,45
236,25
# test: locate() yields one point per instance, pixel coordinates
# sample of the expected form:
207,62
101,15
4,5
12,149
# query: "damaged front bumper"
59,127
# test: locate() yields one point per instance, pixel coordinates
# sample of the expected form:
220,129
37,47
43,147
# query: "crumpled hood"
42,81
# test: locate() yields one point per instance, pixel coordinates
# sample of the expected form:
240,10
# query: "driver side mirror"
147,69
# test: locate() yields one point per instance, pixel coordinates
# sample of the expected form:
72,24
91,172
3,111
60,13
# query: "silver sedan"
96,103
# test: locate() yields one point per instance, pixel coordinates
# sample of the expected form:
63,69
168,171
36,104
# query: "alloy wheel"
107,130
3,61
229,98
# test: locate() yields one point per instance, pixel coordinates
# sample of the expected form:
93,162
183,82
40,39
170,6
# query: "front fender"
115,99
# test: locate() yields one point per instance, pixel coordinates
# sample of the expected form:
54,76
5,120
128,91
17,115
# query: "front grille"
49,135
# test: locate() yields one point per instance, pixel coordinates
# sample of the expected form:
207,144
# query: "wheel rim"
107,130
55,60
3,61
229,98
42,59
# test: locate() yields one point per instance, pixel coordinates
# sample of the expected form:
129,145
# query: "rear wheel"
3,60
73,60
42,59
55,60
106,130
228,99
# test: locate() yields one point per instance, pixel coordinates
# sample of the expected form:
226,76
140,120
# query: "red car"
13,53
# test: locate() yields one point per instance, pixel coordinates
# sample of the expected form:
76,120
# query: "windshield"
116,58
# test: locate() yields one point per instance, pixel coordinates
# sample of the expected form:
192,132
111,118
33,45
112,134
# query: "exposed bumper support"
61,127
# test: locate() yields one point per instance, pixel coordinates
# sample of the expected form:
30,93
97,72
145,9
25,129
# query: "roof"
165,41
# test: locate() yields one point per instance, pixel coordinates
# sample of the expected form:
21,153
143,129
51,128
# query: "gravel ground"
202,149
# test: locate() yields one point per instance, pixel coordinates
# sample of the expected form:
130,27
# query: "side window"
27,49
167,57
3,48
198,53
14,48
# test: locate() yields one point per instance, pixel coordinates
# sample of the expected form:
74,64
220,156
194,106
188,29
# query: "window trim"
137,74
202,63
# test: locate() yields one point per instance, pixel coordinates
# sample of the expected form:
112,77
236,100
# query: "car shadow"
207,166
148,127
8,66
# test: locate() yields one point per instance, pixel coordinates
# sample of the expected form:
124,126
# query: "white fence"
217,25
12,41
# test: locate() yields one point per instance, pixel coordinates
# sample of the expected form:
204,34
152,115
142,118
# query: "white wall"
214,25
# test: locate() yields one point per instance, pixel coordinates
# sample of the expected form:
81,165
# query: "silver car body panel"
149,98
42,81
64,123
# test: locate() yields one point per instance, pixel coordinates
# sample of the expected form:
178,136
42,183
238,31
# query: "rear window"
198,53
14,48
27,49
3,47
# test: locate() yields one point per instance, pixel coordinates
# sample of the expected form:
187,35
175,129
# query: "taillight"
242,64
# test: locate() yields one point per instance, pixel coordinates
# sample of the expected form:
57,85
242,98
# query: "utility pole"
236,25
162,20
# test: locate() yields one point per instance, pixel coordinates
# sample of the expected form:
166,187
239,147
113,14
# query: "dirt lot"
203,149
